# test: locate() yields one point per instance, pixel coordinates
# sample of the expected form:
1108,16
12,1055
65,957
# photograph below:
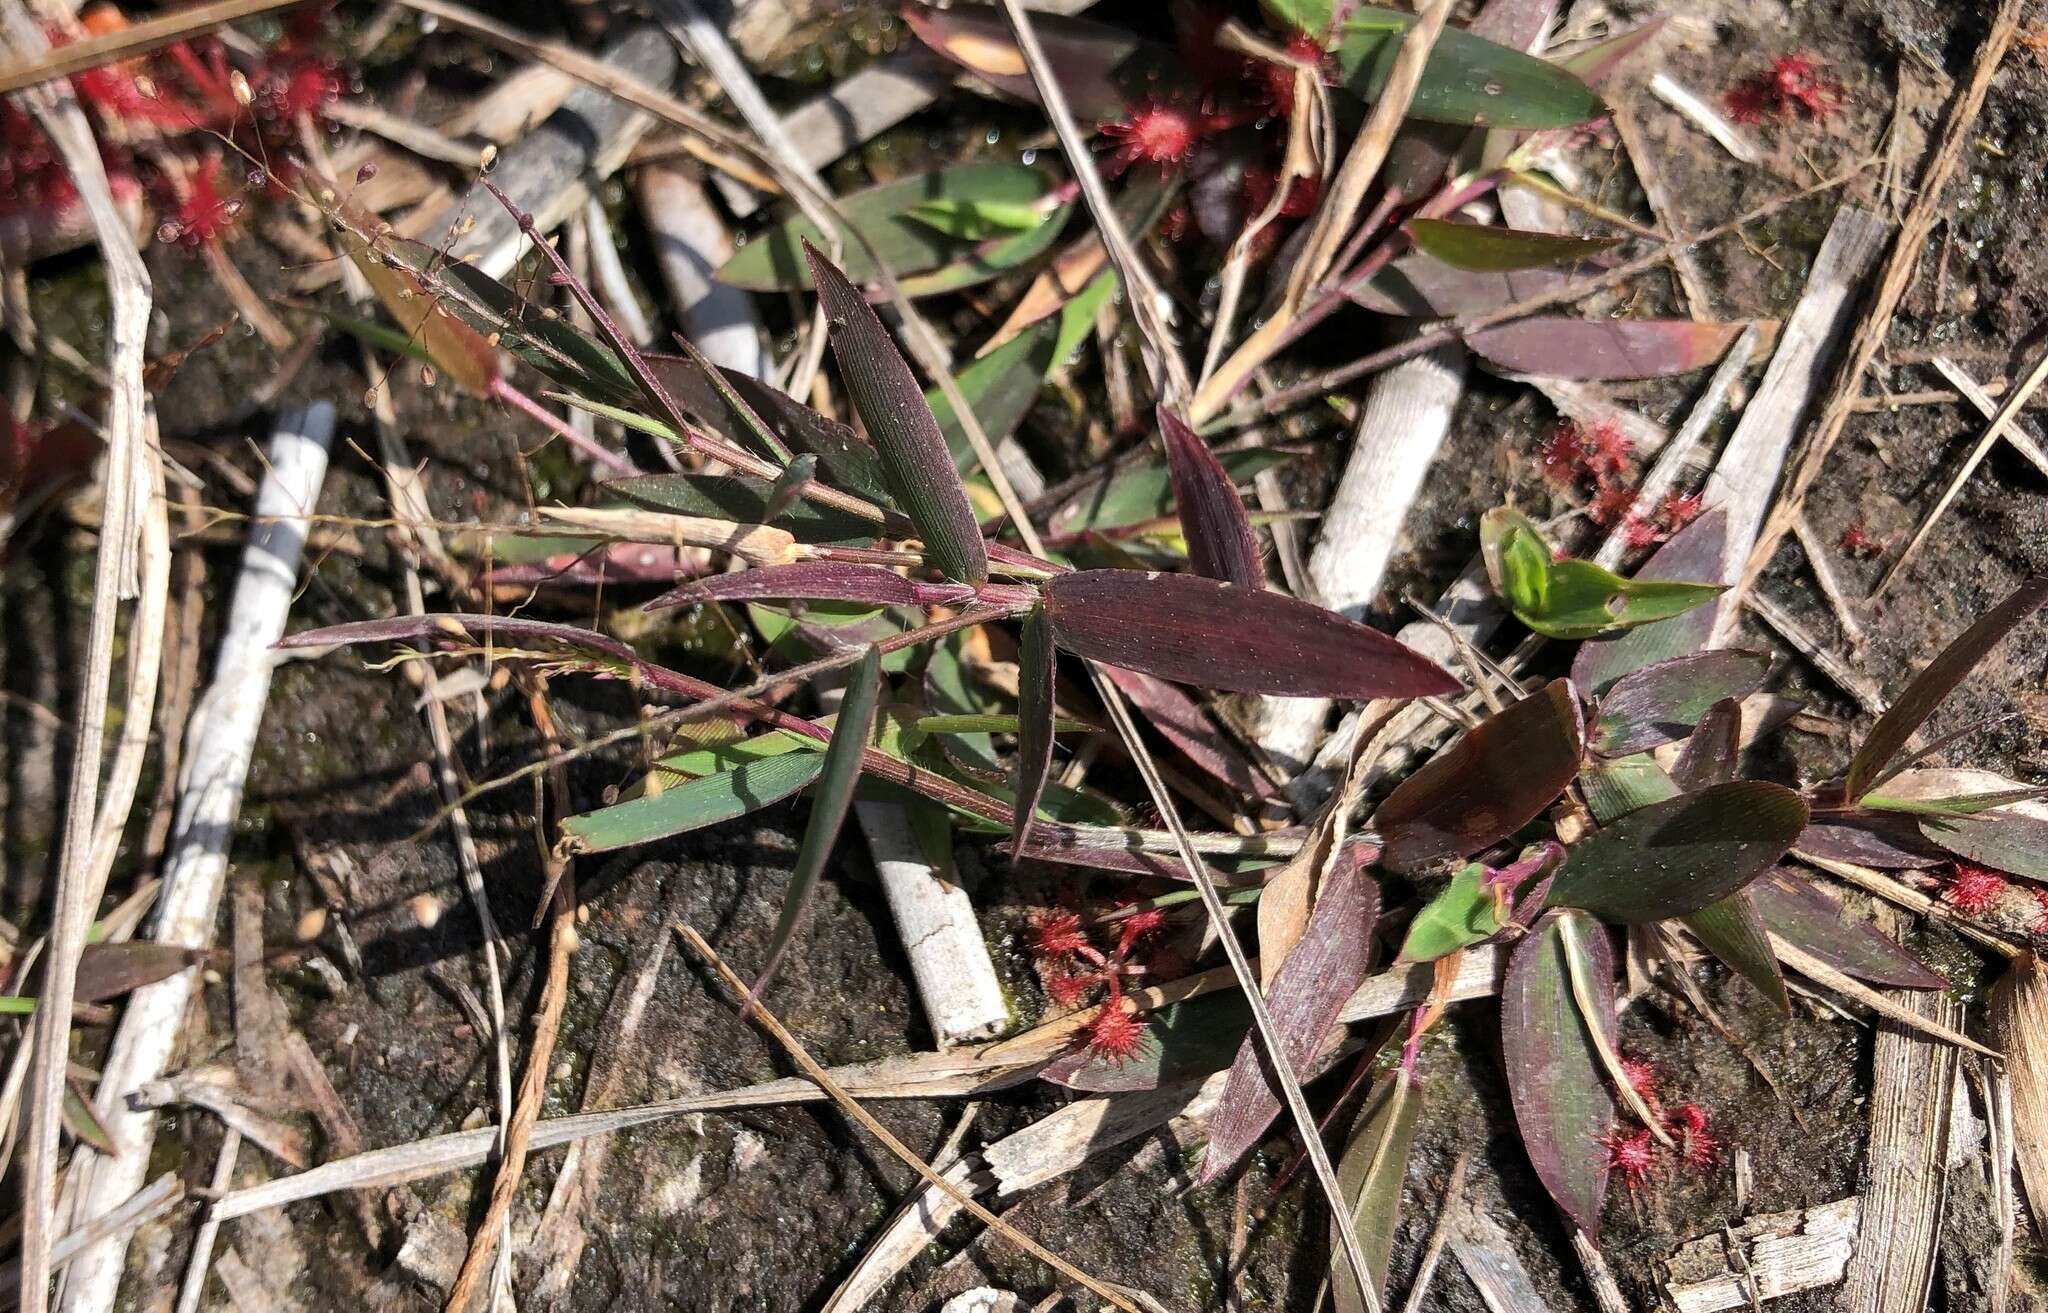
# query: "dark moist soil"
768,1210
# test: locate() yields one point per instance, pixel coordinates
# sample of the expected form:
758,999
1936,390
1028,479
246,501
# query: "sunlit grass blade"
691,805
919,468
1371,1172
1214,635
839,775
1494,780
1484,248
1681,854
1661,703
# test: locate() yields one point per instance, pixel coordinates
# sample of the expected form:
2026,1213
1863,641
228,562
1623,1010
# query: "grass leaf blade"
1036,662
1219,534
919,468
838,776
1562,1103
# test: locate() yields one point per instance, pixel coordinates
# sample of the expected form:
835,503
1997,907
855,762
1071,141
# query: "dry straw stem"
133,561
1914,1091
1334,217
1170,372
2000,426
135,39
2019,1021
1898,276
1314,388
1806,964
1746,476
1967,388
852,1108
220,740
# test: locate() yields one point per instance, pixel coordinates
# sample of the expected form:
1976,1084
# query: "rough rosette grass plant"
1606,802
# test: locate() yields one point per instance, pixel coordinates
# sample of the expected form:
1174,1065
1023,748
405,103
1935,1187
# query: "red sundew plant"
1631,1155
1161,133
1861,543
200,206
1792,84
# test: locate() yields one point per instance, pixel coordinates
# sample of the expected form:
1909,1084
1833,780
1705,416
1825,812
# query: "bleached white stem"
956,980
1406,416
691,240
1745,479
1704,117
219,742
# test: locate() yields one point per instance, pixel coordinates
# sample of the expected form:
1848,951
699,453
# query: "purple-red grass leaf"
1183,723
1733,931
2008,841
915,460
837,779
1494,780
1597,61
1794,907
1931,687
1214,635
1563,1105
1694,553
1889,841
1326,965
1682,854
1661,703
814,581
1370,1175
110,970
1713,750
1036,666
1560,347
1219,534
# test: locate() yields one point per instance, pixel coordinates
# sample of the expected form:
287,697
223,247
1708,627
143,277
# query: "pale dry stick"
1704,117
220,743
1914,1085
1169,372
1452,1199
1406,416
421,140
1334,217
1830,587
1248,980
1345,197
1967,388
408,502
1996,1087
145,1205
1487,1253
194,1287
2008,411
852,1108
1822,974
705,137
1746,477
493,1235
1876,319
610,274
132,40
1685,445
1607,1296
1314,388
690,241
928,1075
1885,887
133,561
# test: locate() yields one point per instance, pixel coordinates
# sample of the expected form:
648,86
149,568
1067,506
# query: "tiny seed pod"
239,84
367,172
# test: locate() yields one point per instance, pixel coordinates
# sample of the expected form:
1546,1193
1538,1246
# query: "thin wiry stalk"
1248,981
1123,256
823,1079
